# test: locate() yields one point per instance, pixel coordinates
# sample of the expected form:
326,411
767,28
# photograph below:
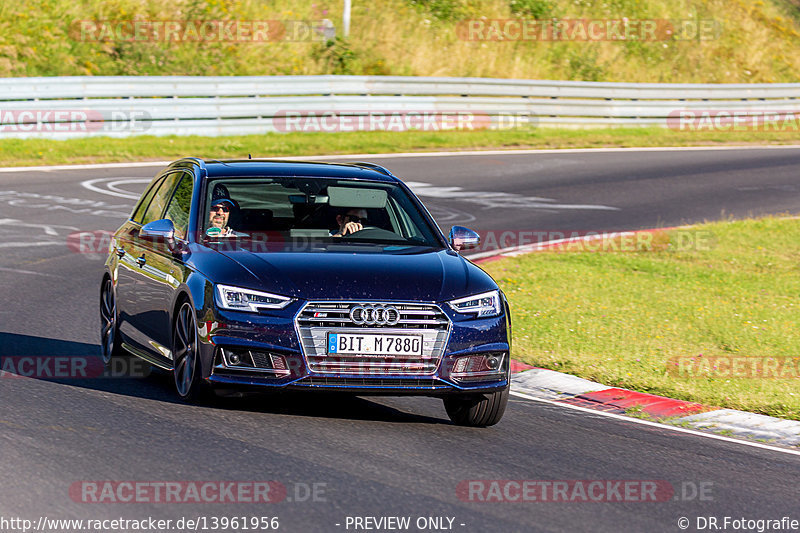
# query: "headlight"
240,299
487,304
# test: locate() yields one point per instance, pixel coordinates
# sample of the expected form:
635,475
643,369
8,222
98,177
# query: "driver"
220,212
350,221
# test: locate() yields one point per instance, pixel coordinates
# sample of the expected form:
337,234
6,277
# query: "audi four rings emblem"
375,315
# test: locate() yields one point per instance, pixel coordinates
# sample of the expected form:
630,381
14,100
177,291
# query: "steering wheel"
372,232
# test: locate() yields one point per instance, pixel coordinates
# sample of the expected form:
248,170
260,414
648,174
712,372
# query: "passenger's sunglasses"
224,208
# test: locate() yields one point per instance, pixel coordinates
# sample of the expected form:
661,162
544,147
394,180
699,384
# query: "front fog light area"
251,360
236,358
479,367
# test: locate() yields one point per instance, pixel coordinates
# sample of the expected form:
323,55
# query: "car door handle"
120,252
141,260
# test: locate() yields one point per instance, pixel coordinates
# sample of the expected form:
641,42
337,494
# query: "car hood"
428,275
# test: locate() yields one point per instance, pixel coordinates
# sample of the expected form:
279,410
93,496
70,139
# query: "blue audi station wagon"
306,276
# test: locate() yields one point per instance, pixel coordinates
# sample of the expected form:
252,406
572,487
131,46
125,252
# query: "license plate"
354,343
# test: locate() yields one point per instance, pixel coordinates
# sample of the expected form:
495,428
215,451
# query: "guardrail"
69,107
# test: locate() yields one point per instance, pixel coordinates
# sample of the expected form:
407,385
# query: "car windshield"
324,210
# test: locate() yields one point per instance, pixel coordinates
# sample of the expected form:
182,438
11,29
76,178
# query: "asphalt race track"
344,457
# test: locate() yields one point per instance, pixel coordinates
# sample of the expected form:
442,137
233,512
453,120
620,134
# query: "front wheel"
479,410
109,338
186,355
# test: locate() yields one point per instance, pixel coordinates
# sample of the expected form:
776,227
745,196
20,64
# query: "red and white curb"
557,387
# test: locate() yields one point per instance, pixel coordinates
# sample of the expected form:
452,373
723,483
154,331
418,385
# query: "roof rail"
373,166
200,162
196,160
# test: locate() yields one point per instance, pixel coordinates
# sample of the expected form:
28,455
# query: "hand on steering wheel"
351,227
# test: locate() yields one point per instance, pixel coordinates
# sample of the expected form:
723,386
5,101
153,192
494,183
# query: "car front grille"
317,319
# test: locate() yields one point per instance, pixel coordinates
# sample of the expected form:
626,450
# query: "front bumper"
275,336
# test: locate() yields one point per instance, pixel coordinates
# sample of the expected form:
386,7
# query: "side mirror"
159,231
462,238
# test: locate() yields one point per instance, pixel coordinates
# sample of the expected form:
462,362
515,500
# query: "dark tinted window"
145,201
180,205
284,209
159,201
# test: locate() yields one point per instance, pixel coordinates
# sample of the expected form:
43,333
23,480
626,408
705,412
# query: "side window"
407,227
180,205
160,199
139,211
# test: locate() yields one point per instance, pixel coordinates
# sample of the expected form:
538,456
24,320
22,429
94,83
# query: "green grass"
15,152
757,40
618,318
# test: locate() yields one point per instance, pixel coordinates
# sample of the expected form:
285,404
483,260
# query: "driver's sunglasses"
224,208
357,219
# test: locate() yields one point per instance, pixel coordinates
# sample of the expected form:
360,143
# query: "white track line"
31,272
423,154
27,244
113,182
659,425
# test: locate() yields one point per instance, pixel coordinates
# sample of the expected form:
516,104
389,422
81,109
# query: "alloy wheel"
185,350
108,321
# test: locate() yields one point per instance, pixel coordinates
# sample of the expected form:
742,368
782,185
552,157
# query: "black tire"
186,371
478,410
110,347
